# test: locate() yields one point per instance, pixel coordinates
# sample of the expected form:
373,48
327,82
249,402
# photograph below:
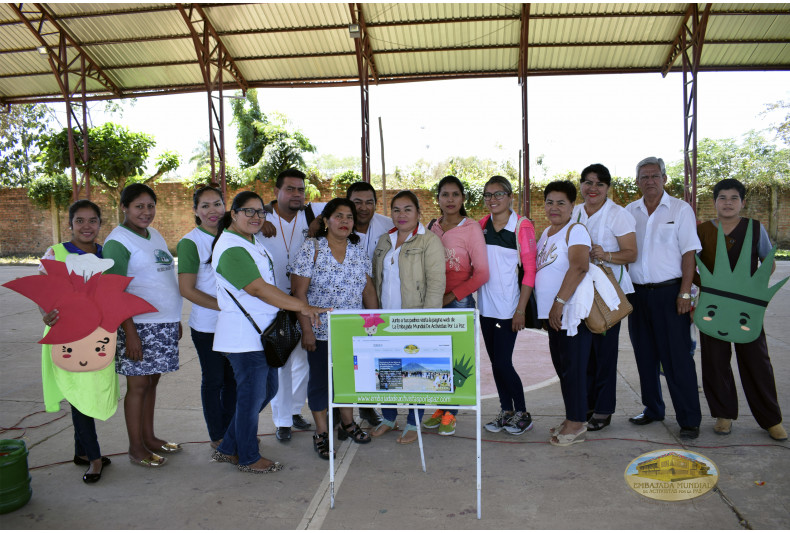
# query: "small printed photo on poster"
414,374
403,364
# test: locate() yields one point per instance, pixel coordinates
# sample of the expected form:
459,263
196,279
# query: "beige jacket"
421,264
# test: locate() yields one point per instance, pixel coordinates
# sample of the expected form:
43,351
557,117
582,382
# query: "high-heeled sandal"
321,445
352,430
597,424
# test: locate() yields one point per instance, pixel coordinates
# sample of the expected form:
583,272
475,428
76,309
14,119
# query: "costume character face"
372,322
91,353
732,303
91,307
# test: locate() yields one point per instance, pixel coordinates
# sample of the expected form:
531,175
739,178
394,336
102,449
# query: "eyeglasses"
498,195
654,177
596,184
250,212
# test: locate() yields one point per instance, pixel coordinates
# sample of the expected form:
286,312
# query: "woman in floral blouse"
331,271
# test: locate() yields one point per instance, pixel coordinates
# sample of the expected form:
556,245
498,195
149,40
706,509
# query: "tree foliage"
266,147
782,127
341,182
21,129
755,161
234,177
249,121
116,157
48,187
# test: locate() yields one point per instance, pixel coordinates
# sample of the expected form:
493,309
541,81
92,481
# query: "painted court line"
316,512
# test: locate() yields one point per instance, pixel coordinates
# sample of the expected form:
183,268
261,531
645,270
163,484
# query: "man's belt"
666,283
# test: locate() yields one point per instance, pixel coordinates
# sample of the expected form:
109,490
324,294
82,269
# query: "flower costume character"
78,350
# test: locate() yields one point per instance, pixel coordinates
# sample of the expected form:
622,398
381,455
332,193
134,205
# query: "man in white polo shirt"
666,238
290,221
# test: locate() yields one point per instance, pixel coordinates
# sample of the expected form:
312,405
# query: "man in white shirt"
667,241
369,226
288,218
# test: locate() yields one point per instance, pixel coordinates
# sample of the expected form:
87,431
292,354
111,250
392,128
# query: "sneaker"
519,423
448,424
501,420
435,420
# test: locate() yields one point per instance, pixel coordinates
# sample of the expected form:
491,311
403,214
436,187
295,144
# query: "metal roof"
140,49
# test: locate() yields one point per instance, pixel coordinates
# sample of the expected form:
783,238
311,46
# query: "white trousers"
292,391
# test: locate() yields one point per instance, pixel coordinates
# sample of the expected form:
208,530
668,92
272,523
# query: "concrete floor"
526,482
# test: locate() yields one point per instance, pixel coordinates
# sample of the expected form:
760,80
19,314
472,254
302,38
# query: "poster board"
425,357
414,358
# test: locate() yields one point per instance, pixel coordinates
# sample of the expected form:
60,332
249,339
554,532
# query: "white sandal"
570,438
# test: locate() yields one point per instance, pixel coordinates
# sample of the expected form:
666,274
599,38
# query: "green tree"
755,161
116,158
782,127
342,181
249,121
234,177
21,129
53,192
266,147
201,155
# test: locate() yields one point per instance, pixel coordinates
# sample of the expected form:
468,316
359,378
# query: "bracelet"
610,257
559,300
519,312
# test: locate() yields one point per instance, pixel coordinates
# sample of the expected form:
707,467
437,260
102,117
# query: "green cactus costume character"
732,301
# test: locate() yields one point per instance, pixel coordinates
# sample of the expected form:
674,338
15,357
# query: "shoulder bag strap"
245,312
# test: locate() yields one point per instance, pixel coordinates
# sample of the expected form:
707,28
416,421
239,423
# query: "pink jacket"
527,248
466,259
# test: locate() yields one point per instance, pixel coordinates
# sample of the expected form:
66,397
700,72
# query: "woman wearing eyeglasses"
503,300
244,269
613,233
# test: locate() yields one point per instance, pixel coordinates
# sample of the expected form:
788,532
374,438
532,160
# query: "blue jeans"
256,385
217,385
85,440
391,414
465,303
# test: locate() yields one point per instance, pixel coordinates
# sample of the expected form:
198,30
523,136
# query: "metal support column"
67,57
366,66
688,45
522,80
214,60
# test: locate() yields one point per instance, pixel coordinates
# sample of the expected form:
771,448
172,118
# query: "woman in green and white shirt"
198,284
147,343
245,270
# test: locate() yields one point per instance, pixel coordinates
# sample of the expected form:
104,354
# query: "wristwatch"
559,300
684,296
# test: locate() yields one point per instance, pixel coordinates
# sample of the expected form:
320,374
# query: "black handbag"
280,337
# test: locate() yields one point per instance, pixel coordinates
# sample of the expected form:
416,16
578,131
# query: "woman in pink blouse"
466,266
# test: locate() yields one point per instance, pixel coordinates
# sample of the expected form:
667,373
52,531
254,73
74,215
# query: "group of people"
240,266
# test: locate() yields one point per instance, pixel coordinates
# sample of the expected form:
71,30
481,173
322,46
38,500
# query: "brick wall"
27,230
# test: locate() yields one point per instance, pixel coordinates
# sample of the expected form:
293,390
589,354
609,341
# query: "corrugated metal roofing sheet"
148,47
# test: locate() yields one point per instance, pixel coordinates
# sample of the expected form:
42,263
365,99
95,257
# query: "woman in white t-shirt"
198,284
245,270
562,264
613,233
147,343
